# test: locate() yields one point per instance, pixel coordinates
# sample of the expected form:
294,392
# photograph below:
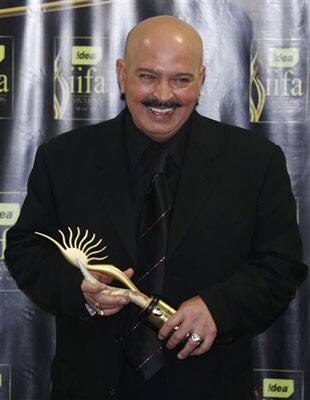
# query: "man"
231,247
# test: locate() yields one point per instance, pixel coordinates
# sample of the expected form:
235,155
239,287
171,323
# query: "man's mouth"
161,109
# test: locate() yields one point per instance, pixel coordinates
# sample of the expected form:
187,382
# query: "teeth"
161,110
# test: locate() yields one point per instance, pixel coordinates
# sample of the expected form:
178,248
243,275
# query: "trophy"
81,251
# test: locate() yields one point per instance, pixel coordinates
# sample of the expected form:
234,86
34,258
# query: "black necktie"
143,348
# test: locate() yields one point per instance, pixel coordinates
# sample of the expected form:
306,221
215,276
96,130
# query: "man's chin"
159,127
160,135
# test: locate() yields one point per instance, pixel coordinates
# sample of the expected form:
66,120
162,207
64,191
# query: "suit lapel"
202,170
112,184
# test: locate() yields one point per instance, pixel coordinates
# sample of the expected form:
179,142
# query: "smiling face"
161,75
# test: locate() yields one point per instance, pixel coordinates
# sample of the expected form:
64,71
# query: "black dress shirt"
140,167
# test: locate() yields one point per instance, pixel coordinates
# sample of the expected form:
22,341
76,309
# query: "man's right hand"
97,296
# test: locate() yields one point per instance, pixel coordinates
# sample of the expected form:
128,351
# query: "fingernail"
160,337
181,356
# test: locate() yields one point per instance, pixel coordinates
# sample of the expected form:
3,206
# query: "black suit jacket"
233,240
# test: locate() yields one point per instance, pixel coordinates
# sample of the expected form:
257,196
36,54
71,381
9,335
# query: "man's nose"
163,90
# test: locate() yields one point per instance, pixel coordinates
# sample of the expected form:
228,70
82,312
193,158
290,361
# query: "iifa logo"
86,80
3,77
278,388
6,76
79,82
288,84
2,53
10,206
278,82
9,213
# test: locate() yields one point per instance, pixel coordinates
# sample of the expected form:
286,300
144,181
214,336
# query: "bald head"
161,75
163,29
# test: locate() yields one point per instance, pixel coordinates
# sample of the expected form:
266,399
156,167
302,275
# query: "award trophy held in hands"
79,250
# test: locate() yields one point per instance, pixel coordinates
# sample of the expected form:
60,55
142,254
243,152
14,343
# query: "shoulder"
83,145
233,140
88,135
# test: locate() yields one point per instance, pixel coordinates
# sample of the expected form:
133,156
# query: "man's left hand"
193,317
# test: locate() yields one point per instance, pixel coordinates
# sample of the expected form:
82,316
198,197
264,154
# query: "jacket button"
111,390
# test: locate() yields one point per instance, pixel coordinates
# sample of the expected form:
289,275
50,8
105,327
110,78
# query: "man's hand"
97,297
193,316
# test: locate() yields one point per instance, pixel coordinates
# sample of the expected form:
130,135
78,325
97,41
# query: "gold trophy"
80,250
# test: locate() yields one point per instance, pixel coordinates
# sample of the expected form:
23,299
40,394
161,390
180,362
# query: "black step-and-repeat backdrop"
57,72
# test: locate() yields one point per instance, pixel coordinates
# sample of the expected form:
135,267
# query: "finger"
112,311
92,287
101,277
111,300
178,336
129,272
189,347
169,326
107,279
107,302
104,312
203,348
92,302
108,307
98,306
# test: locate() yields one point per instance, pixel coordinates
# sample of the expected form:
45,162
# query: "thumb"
129,272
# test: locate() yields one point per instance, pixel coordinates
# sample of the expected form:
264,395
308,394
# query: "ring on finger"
197,339
99,310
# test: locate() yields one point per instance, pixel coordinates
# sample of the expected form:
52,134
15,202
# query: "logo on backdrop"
79,83
6,76
279,81
5,382
9,212
278,384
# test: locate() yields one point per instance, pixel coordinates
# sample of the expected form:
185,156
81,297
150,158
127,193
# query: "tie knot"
159,157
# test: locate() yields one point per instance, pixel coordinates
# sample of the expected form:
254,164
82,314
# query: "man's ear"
202,74
121,74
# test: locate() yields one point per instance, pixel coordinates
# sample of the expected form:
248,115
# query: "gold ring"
99,310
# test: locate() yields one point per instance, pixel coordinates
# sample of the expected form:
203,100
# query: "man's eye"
183,80
146,76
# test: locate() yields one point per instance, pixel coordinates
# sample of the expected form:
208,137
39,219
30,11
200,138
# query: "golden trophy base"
156,312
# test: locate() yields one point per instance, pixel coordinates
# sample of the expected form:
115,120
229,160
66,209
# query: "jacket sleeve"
39,270
261,289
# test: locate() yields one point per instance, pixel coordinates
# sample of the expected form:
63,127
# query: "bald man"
232,251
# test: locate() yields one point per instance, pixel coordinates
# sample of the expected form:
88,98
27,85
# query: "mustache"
162,104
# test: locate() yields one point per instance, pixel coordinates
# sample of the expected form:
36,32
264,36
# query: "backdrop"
57,72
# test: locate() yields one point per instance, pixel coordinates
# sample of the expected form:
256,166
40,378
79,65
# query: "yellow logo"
2,53
284,57
278,388
86,55
9,213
